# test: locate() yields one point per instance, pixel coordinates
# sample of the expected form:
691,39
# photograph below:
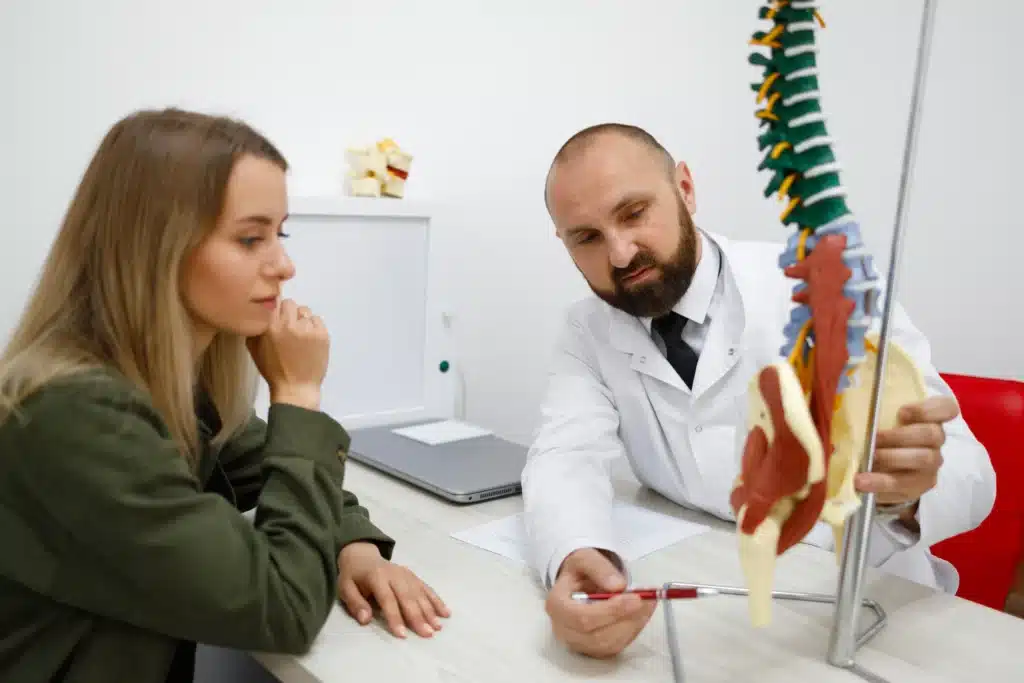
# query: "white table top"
499,632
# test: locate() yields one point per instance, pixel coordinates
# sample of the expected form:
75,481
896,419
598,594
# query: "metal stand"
844,640
679,674
843,643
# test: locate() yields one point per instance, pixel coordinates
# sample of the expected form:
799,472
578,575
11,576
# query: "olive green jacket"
115,555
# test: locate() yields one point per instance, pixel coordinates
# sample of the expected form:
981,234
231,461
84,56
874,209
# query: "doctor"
623,209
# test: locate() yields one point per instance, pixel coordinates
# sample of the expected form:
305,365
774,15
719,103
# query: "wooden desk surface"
499,632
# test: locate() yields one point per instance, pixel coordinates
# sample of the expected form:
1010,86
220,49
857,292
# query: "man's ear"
685,183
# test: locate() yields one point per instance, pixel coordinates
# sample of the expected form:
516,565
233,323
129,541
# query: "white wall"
484,93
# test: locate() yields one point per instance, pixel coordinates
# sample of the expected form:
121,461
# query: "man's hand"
402,596
602,629
908,457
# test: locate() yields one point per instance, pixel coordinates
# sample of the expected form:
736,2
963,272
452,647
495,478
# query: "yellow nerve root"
801,247
786,184
778,149
768,82
793,203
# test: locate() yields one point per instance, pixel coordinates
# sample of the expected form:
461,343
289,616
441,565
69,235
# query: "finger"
594,565
408,601
429,612
933,409
920,434
587,618
389,607
879,483
896,460
610,640
289,312
896,488
354,602
318,323
439,605
304,312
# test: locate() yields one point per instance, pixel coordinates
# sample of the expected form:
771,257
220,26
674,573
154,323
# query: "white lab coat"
612,392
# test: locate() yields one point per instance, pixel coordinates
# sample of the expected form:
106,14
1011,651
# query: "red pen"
650,594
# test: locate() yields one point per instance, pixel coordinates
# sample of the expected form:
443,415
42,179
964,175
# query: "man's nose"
621,250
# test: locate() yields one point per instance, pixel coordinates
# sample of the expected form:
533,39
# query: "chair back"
987,557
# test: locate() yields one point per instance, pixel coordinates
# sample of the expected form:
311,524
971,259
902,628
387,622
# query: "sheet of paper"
639,530
443,431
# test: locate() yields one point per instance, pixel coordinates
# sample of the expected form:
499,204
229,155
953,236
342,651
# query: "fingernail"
363,615
401,632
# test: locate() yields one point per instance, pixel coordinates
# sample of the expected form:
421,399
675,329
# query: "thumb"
595,566
354,601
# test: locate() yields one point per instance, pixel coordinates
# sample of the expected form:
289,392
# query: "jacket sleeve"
134,539
965,492
567,490
242,460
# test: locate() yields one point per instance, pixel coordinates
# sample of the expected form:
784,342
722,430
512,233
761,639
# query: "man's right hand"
600,629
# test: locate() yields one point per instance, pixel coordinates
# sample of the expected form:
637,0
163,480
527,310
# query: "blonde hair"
109,295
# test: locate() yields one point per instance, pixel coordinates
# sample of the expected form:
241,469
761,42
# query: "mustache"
640,261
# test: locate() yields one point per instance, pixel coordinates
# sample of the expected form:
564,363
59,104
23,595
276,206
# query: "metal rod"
672,631
678,672
843,640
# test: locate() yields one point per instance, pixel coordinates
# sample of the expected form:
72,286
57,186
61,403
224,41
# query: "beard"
657,296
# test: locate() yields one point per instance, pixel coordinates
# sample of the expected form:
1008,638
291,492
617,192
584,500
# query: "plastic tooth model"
808,413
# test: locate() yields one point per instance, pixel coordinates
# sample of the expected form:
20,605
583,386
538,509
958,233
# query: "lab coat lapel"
722,344
628,335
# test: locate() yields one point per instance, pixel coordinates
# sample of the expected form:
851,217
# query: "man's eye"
249,241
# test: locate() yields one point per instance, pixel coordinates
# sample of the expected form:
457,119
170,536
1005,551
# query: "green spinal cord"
796,146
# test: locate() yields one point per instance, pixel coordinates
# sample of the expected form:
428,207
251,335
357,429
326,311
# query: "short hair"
583,139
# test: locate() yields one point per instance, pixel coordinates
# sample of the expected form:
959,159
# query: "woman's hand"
403,598
292,355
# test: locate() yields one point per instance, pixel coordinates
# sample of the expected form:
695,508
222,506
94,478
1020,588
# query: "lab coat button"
698,429
732,351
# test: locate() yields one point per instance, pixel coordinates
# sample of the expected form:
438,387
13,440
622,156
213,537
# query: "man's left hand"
908,456
403,597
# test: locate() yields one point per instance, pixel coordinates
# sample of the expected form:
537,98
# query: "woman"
128,449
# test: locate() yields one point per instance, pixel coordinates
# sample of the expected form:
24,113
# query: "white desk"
499,632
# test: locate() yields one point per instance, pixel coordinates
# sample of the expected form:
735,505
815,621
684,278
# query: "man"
623,208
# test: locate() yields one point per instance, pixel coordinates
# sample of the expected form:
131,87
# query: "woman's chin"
247,328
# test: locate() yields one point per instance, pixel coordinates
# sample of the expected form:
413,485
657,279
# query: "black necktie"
680,355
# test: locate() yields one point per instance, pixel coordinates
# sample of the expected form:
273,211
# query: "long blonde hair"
109,292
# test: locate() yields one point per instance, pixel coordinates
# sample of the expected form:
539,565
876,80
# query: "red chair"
987,557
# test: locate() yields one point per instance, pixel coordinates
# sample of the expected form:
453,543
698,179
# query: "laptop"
454,460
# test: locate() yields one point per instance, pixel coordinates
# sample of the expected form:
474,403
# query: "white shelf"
342,205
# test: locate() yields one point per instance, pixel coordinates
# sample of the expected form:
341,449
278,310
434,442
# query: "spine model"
805,174
805,411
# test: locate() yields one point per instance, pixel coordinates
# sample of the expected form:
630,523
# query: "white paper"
640,532
444,431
